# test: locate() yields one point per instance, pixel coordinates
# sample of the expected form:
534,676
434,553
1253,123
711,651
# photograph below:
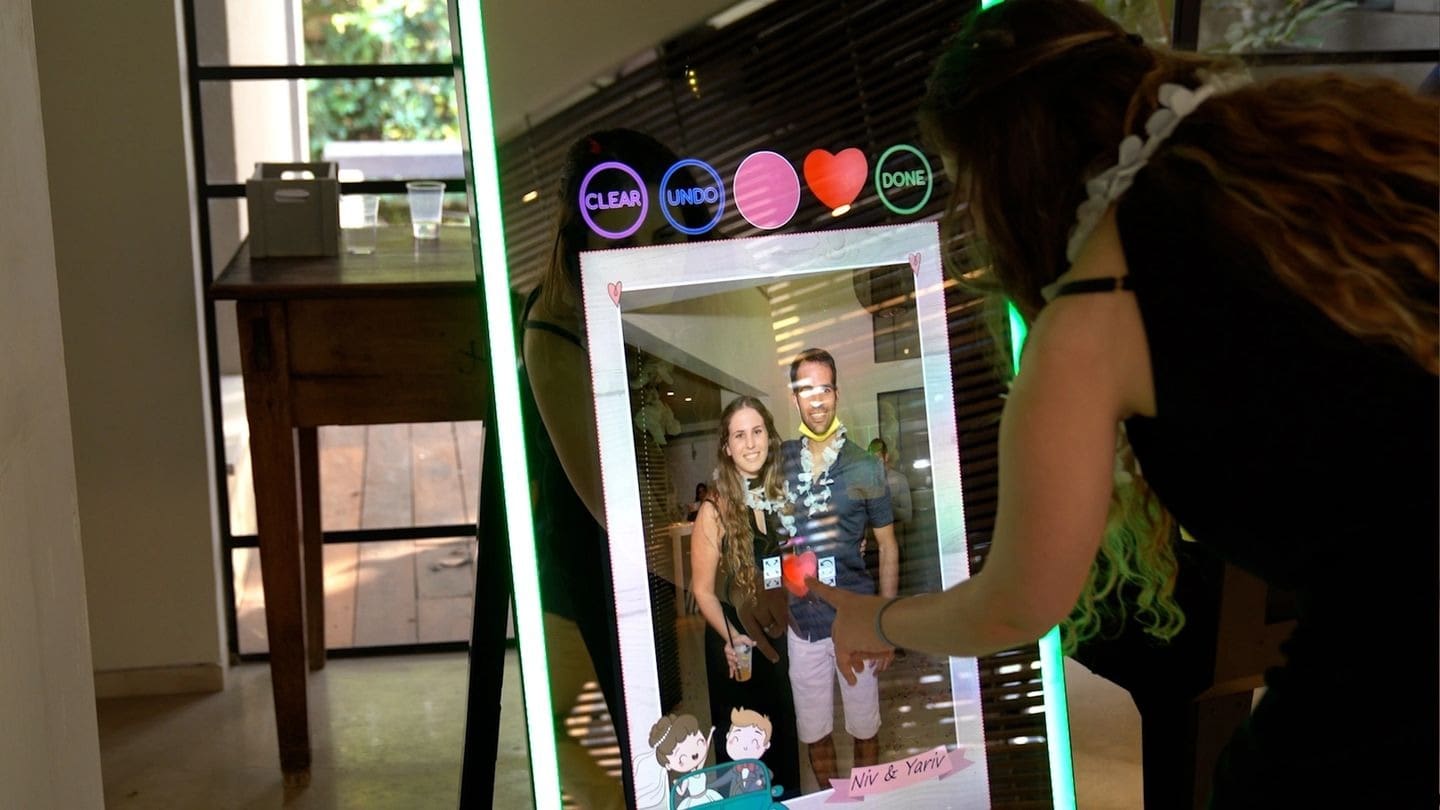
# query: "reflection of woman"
737,528
1254,269
563,458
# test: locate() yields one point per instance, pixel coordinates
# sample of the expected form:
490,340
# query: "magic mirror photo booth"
800,212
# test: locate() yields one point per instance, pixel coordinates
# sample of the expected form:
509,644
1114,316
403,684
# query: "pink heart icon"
614,289
836,180
915,262
795,568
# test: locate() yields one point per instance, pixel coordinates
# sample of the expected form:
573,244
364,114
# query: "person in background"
1233,284
701,493
901,509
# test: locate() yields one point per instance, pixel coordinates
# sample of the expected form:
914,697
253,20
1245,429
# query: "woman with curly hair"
1232,294
739,525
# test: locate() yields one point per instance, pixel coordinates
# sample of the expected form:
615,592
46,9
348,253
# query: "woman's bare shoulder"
1101,333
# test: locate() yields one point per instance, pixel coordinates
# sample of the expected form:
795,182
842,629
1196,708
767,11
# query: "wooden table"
392,337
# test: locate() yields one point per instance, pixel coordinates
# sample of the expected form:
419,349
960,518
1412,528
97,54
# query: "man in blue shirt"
837,490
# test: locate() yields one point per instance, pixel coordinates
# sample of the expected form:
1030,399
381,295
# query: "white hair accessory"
1104,189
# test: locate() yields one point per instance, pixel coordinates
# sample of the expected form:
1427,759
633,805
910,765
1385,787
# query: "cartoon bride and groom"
673,775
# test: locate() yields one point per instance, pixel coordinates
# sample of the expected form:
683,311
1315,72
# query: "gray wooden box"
295,215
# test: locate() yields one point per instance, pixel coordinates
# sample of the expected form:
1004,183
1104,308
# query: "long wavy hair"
728,494
1330,182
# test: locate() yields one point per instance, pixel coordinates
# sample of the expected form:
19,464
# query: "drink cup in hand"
742,661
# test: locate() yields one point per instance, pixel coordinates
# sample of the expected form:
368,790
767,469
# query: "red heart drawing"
915,262
614,289
795,568
836,180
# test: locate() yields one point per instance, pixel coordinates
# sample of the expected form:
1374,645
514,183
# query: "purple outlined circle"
644,199
767,190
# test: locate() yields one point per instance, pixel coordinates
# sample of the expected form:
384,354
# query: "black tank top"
1309,458
568,540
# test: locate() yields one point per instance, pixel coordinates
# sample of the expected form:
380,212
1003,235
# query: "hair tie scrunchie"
1104,189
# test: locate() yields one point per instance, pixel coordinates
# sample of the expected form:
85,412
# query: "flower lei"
755,499
1104,189
813,492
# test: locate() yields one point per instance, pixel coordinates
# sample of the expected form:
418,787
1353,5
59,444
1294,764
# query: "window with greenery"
359,32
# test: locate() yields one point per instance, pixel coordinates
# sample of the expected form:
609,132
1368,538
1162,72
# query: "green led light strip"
495,279
1052,661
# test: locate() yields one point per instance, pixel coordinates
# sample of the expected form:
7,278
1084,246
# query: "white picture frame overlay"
616,280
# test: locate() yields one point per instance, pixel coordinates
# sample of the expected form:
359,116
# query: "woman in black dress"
737,528
1236,282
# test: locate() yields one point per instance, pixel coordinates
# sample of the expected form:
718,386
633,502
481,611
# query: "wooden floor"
381,476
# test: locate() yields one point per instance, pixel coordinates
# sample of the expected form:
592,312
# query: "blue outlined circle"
644,199
719,207
929,179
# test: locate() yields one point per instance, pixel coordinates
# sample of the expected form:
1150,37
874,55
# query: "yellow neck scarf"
820,437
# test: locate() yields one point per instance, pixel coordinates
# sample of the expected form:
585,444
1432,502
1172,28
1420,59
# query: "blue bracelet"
879,616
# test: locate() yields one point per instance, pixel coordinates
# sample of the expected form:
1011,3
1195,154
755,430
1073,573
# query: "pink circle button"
767,190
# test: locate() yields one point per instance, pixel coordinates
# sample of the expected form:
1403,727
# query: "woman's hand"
854,629
736,640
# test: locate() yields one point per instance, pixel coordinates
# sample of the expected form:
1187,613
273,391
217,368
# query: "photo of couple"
818,453
799,506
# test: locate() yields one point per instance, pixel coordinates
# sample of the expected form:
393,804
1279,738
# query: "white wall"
246,123
113,98
724,337
829,317
49,749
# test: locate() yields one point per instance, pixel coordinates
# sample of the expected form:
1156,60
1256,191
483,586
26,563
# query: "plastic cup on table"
359,216
426,198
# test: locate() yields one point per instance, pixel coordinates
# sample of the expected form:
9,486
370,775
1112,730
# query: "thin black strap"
546,326
1089,285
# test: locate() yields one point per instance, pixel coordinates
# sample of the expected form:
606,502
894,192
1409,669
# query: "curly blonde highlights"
1136,555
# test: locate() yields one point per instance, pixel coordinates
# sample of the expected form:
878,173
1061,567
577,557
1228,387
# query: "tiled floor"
388,733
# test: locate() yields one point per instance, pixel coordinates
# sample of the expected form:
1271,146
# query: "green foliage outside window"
360,32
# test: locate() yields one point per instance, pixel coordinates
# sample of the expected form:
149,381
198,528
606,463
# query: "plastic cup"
742,661
426,197
359,215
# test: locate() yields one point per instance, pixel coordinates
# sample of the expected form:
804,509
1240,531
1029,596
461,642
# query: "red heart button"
836,180
794,568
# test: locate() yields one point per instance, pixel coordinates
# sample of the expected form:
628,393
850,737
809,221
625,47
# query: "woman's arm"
704,563
1086,368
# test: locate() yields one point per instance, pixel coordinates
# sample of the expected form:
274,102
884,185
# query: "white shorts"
812,680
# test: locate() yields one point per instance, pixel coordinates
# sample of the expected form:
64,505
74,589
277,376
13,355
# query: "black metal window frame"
205,192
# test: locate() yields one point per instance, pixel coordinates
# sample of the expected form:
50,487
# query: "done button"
901,175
